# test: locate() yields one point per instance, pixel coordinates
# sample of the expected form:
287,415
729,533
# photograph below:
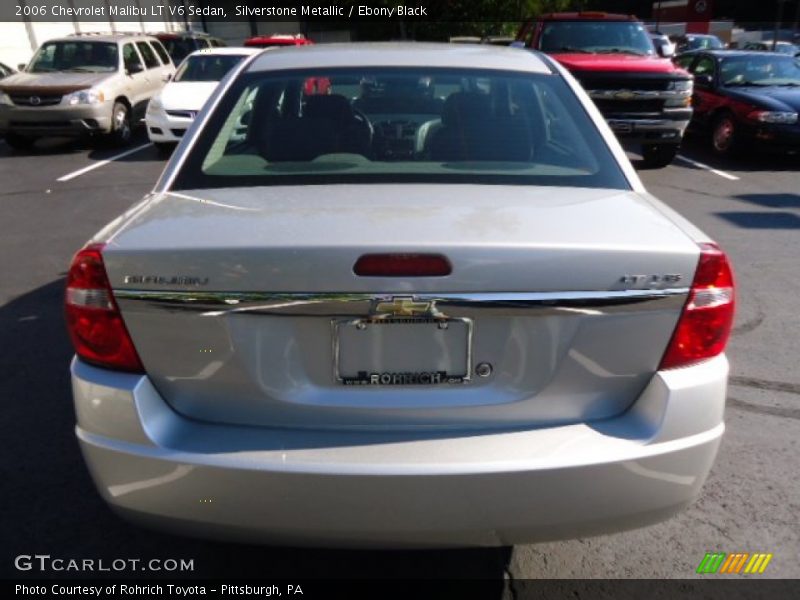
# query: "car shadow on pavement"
50,506
762,220
96,148
696,147
48,146
772,200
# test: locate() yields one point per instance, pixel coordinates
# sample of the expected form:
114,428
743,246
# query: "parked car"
180,44
172,110
83,85
314,85
498,40
465,39
697,41
644,97
767,46
327,330
743,98
663,45
279,40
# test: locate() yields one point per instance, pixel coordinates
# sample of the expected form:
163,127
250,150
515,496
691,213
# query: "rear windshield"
209,67
77,56
399,125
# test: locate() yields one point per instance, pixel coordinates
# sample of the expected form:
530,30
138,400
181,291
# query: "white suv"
86,84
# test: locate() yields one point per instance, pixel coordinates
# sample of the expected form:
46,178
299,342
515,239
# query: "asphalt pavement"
50,204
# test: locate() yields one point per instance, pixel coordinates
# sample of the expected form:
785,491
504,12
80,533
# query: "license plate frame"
399,379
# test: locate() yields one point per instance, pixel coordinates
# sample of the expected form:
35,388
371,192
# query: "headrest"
462,107
333,106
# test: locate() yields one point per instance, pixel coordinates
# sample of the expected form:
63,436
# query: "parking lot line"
102,163
705,167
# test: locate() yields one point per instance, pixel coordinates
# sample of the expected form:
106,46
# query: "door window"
130,57
162,52
705,66
149,56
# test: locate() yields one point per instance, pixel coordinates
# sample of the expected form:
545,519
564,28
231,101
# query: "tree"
458,17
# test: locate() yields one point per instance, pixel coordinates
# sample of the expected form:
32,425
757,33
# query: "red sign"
698,15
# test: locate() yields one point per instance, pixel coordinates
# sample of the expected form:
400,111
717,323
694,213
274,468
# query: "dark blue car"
743,98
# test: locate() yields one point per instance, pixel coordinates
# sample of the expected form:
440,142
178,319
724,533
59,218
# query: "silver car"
432,306
81,85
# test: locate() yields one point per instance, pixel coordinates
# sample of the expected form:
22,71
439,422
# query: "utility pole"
658,15
777,24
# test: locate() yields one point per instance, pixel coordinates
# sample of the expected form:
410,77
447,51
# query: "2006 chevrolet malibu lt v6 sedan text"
431,306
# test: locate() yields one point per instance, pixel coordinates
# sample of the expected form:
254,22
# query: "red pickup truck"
645,98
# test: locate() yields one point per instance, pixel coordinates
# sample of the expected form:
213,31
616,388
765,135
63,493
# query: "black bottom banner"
511,589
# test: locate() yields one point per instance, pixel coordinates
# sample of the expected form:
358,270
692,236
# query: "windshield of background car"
206,67
628,37
77,56
760,70
789,49
704,43
180,48
399,125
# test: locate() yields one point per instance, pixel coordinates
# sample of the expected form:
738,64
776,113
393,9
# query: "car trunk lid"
244,306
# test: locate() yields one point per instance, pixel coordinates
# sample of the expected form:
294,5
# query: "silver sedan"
399,295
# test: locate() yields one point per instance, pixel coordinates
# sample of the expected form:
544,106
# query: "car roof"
288,39
227,51
181,34
586,16
104,37
720,53
402,54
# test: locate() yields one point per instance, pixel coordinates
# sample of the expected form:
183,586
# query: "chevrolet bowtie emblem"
625,95
404,307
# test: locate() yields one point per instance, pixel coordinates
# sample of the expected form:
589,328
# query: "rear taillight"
705,324
93,319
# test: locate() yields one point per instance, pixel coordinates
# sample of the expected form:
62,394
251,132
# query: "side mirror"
704,80
21,66
134,68
666,50
166,77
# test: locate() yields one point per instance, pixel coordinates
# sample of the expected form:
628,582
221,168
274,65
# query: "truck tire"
20,142
657,156
120,124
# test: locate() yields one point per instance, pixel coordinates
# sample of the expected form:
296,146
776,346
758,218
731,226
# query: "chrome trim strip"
450,305
628,95
647,124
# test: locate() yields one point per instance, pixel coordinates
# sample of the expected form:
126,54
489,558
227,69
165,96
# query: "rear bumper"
58,120
399,489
